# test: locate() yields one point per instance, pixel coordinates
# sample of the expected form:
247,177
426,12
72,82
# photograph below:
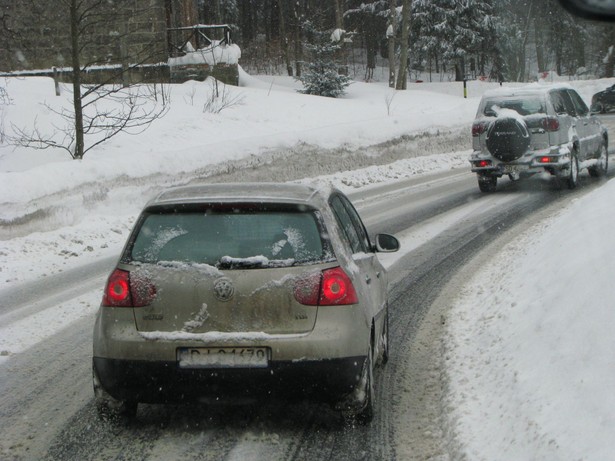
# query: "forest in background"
510,40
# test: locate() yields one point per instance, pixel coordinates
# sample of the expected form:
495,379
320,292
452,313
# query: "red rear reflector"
550,123
483,163
332,287
548,159
121,291
479,128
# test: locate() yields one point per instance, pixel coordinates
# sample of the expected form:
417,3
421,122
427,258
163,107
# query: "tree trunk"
609,56
217,13
339,19
402,75
298,38
393,24
339,24
526,33
539,39
460,70
284,39
77,103
609,64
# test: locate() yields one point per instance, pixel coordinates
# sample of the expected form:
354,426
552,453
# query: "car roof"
301,194
534,89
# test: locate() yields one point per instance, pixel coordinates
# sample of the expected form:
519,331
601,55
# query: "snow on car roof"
241,192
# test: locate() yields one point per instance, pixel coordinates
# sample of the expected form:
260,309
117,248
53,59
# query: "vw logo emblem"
224,289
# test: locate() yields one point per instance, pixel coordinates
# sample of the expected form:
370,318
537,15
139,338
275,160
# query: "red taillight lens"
330,288
121,291
550,123
117,291
547,159
482,163
479,128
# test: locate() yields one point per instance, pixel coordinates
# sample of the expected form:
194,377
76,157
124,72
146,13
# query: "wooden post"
56,80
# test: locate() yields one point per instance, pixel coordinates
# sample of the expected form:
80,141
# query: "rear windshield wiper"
255,262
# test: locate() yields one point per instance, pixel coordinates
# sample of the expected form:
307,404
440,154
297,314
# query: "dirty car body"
519,132
244,290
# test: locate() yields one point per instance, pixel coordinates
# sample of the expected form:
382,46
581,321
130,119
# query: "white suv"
522,131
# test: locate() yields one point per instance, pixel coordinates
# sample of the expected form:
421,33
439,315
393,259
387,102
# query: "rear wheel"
602,164
383,357
360,407
573,171
487,183
108,407
366,414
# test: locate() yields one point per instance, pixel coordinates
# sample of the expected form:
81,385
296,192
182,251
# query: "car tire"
383,357
109,408
358,407
572,180
366,414
508,138
602,166
487,183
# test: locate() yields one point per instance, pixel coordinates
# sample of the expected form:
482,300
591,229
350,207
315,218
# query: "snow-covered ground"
530,353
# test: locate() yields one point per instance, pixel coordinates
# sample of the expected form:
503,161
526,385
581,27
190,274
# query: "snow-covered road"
506,317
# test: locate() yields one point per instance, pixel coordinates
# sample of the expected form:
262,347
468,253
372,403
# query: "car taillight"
550,123
479,128
122,291
482,163
548,159
332,287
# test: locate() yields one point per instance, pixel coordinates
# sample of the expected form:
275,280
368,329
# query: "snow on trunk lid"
201,299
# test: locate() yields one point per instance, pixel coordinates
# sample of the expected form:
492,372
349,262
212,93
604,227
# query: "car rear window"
524,106
231,238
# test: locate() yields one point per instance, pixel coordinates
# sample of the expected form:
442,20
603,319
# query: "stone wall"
119,34
38,35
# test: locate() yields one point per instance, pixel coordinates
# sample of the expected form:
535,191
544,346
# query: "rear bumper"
163,382
528,165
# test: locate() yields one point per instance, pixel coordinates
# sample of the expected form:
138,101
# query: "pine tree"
321,76
454,31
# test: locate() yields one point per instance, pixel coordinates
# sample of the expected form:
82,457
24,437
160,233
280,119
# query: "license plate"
223,357
511,169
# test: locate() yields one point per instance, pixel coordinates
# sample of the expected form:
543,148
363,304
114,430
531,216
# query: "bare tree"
102,110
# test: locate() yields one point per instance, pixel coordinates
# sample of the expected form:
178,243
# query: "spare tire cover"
508,138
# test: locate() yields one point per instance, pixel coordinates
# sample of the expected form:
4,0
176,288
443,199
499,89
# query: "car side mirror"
386,243
591,9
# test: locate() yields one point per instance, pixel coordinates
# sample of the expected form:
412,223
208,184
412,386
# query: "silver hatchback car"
237,290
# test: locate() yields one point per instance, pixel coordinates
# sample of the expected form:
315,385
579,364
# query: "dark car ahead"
604,101
244,290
